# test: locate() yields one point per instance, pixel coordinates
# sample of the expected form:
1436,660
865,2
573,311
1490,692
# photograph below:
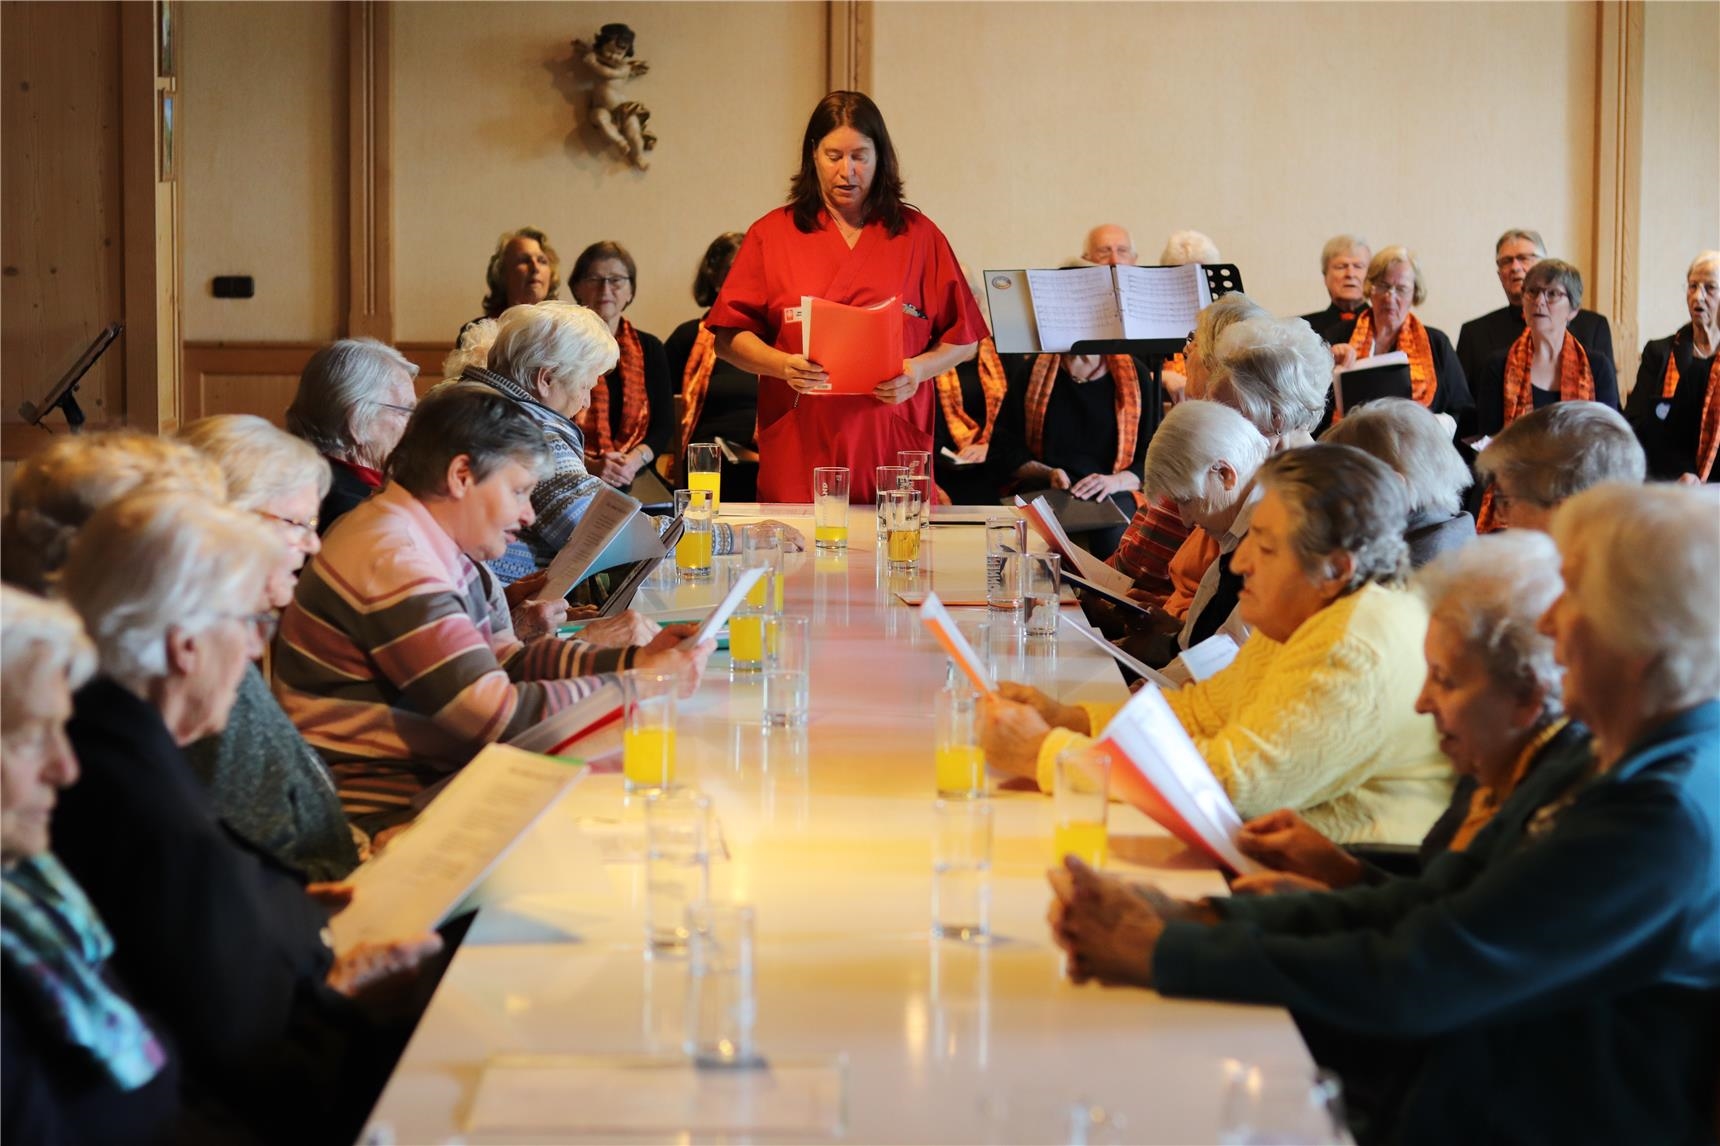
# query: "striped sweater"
397,660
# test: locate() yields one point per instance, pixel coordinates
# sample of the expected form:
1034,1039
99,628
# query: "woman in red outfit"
846,236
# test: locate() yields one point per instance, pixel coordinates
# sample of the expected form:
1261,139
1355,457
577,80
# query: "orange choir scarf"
963,429
635,407
695,381
1708,442
1413,341
1128,404
1575,383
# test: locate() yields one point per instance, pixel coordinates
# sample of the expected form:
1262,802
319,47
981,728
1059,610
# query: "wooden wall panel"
260,377
61,225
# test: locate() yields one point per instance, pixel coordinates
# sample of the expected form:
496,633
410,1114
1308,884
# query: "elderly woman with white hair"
81,1063
1411,440
1496,696
1553,948
1316,713
1675,407
1156,531
55,491
1184,247
353,400
267,783
219,940
1394,287
1546,457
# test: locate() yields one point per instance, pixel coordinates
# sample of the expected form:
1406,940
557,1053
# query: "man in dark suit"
1494,332
1344,266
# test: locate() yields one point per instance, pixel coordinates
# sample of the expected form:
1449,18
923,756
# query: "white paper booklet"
937,618
1093,303
612,532
1157,768
1044,522
1134,665
424,873
555,734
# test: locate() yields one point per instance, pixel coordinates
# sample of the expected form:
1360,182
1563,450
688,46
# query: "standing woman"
631,418
845,236
1675,408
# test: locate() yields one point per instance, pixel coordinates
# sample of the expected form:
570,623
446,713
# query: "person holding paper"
1317,712
846,236
1675,407
1552,454
221,943
1496,697
1554,982
397,659
1481,338
1079,423
1546,364
1344,267
630,420
1394,286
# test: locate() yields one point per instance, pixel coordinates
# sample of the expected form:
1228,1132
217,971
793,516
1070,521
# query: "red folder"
858,346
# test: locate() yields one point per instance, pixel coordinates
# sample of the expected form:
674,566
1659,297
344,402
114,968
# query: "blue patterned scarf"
54,943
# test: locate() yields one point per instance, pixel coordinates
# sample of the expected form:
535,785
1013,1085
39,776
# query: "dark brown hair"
714,267
884,201
596,253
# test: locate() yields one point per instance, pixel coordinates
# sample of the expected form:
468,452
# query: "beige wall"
1052,117
1680,205
490,135
264,168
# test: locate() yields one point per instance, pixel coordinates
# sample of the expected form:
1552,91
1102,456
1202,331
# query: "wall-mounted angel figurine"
622,121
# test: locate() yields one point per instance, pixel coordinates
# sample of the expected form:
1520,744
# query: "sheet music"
1075,304
609,513
1161,302
1044,522
936,618
426,871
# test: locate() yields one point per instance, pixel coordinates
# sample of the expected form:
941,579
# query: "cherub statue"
622,121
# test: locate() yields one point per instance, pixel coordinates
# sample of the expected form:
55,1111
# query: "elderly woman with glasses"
80,1063
267,783
1394,286
1557,945
353,400
1316,713
630,421
1546,364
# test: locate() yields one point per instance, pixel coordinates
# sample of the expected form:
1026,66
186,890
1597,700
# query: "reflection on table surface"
826,830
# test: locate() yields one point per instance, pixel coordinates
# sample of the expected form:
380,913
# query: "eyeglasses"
265,622
615,282
1551,294
308,528
1404,291
407,410
1504,261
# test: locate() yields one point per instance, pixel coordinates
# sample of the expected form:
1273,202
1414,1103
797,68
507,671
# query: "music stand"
63,396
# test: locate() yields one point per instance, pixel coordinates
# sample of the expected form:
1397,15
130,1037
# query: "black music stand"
63,396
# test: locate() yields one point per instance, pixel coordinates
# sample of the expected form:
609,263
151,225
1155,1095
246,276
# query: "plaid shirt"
1153,537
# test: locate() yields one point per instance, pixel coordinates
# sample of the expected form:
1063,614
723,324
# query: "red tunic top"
776,265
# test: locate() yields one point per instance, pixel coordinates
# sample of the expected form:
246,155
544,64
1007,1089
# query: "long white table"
827,830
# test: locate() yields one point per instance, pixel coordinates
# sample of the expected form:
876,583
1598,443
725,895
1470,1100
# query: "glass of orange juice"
830,507
1081,801
648,734
693,551
705,471
958,761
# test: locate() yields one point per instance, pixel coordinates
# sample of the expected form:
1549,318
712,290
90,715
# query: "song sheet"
1074,305
1161,302
611,512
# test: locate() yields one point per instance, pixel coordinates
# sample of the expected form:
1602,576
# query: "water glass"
705,471
961,870
693,551
1042,581
677,865
1282,1102
1080,797
648,731
902,528
1005,543
888,478
787,671
721,1004
830,507
958,760
919,466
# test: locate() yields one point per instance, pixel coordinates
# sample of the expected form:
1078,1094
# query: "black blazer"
216,939
1451,384
1670,432
1490,390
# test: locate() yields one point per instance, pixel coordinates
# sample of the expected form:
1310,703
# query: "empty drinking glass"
1042,581
961,870
1005,543
721,1005
787,670
677,865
